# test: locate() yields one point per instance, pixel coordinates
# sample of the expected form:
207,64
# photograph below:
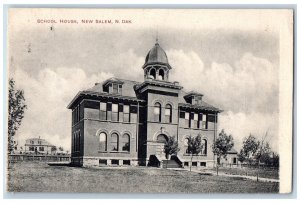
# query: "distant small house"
38,146
231,158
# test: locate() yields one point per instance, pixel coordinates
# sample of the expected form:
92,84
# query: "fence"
33,157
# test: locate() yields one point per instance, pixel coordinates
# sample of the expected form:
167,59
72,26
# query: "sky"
233,63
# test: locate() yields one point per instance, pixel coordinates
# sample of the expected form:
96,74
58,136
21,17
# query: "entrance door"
161,140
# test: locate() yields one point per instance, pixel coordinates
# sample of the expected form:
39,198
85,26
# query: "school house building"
124,122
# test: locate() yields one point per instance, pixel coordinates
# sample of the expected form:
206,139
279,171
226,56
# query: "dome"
156,55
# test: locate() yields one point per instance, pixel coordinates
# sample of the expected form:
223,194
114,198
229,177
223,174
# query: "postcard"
149,100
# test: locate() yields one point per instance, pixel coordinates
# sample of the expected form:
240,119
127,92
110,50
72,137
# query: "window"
41,149
102,142
114,144
115,162
168,113
115,112
121,116
31,142
194,163
102,111
126,162
153,73
196,123
203,164
204,124
157,112
39,142
125,143
109,106
187,119
161,138
204,149
31,148
120,89
133,114
186,141
115,88
126,114
103,162
161,74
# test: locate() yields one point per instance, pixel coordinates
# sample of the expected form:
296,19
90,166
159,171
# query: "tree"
249,149
16,109
275,159
61,148
222,145
171,147
195,146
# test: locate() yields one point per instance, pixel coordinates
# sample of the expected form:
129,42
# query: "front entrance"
161,140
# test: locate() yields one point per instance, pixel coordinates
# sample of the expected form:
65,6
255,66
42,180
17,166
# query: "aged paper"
237,62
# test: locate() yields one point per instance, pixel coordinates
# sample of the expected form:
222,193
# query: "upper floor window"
157,112
103,108
31,142
115,112
168,113
204,121
126,113
195,120
41,148
102,142
187,119
115,88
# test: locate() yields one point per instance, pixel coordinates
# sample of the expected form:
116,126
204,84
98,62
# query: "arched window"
157,112
161,74
102,142
153,73
168,113
162,138
186,141
114,143
125,143
204,149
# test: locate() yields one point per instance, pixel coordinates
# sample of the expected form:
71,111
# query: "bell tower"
156,64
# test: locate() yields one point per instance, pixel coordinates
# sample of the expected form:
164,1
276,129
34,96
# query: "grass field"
39,177
272,173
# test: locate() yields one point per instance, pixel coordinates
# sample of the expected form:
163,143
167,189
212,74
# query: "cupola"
156,64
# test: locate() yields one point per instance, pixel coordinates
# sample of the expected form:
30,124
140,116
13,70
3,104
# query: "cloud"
47,96
247,91
249,86
240,125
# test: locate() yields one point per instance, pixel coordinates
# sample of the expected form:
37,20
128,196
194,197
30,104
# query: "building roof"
128,93
35,142
202,106
232,151
191,93
156,55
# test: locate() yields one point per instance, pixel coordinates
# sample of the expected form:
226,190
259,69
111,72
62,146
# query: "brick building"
123,122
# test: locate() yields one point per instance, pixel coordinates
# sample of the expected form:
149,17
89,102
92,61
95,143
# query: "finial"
156,37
